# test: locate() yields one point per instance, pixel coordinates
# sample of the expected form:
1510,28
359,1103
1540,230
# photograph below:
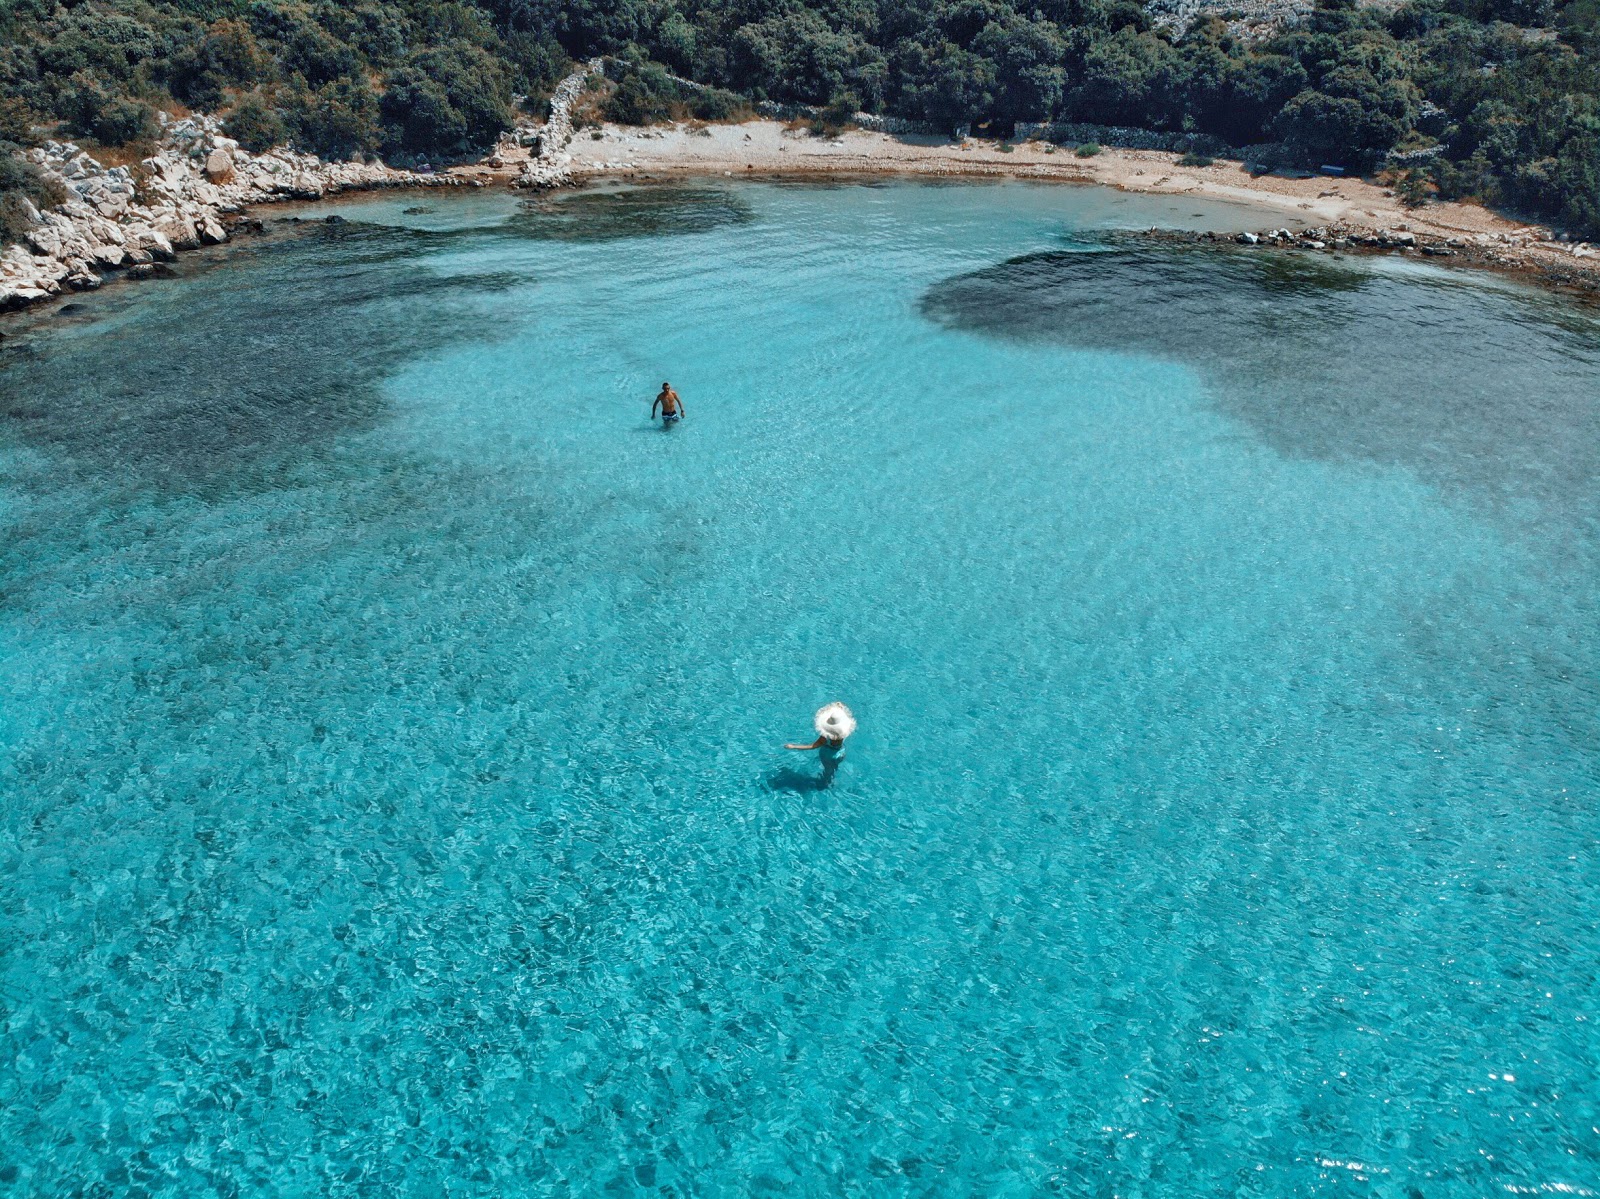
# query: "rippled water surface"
392,799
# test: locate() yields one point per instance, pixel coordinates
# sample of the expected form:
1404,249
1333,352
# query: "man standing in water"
671,407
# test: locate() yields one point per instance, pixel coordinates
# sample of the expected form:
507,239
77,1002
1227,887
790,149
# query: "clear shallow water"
392,800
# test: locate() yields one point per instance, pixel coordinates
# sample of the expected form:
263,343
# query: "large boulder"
109,256
150,240
20,295
219,166
45,239
179,232
110,203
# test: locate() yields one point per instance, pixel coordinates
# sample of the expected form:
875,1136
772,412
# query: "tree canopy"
1504,94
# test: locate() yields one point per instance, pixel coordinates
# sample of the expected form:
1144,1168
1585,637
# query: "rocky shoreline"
191,193
195,190
1511,253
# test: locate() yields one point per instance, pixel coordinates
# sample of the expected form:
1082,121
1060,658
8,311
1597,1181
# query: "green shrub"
645,94
1352,122
716,104
336,121
1087,150
838,113
537,63
124,122
1191,159
256,125
98,111
227,56
636,102
16,122
1413,188
21,184
14,220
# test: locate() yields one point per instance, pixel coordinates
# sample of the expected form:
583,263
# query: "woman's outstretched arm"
817,744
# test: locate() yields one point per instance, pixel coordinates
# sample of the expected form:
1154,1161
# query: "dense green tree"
1233,95
17,123
338,120
675,42
1029,67
1128,79
451,99
798,57
645,92
1351,120
227,56
1504,89
103,113
948,86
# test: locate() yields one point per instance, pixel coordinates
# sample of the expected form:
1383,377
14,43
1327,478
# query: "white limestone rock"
45,238
151,240
130,217
109,256
219,165
179,232
20,295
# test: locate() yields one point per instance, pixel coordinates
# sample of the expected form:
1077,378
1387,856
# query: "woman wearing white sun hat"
834,723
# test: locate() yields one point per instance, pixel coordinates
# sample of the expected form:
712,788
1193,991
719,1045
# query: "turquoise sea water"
391,792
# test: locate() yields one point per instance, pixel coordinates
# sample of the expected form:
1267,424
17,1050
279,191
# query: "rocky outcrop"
552,165
1532,251
125,217
1251,20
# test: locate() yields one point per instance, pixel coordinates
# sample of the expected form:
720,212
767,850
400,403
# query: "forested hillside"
1507,90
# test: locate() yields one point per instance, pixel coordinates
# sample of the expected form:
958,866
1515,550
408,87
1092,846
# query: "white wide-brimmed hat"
834,720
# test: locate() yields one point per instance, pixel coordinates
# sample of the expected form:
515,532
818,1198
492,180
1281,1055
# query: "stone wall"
870,121
553,165
1125,138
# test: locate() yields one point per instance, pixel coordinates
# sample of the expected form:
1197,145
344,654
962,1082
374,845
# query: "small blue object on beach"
1328,170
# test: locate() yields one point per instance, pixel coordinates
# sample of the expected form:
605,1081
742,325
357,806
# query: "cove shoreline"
1321,213
201,188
